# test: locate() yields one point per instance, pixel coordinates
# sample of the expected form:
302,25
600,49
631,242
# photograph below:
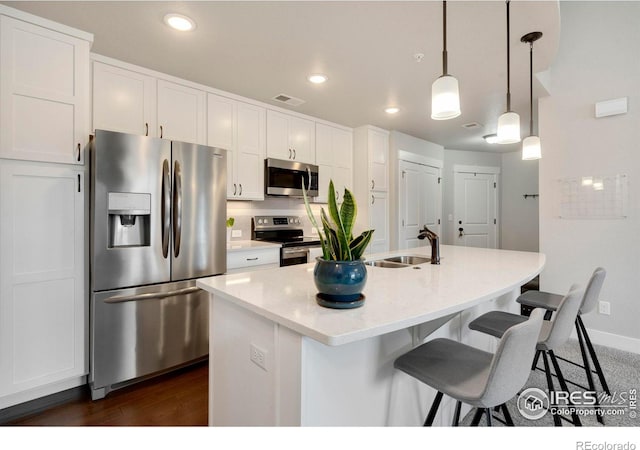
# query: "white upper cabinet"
181,113
379,159
334,152
131,101
123,100
290,137
44,92
239,128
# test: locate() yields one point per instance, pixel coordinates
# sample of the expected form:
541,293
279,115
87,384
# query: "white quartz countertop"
395,298
239,246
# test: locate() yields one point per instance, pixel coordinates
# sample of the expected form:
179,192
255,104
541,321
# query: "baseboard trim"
43,403
624,343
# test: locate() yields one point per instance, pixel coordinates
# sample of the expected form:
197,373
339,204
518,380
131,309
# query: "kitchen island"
278,358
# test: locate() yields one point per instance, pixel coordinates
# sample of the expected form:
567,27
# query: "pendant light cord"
508,63
445,69
531,89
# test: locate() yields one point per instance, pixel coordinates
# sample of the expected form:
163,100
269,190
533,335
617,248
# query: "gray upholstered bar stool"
550,302
481,379
554,333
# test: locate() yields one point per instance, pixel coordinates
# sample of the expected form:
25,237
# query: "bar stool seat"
538,299
470,375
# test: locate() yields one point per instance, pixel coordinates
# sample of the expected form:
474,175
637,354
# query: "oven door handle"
295,252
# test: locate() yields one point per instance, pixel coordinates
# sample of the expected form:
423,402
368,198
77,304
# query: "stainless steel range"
288,231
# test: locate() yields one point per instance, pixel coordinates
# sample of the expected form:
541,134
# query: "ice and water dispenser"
129,219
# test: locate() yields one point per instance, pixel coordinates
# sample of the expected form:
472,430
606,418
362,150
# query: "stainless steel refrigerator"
158,212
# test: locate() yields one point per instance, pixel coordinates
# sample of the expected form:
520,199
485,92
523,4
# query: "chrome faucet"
434,240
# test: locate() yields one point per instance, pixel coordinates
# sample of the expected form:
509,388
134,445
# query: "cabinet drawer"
252,257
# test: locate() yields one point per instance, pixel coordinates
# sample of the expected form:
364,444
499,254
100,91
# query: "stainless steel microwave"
285,178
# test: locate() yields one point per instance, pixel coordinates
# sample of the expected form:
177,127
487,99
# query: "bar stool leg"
456,415
556,419
476,417
564,387
434,409
587,368
507,415
488,413
594,357
535,360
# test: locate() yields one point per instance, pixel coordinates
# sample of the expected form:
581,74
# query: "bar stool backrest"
592,292
511,363
564,318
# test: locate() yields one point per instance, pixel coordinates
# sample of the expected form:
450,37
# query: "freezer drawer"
143,331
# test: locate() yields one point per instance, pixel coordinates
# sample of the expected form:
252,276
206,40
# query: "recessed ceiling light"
491,138
392,110
317,78
179,22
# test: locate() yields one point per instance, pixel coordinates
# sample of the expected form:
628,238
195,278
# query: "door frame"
487,170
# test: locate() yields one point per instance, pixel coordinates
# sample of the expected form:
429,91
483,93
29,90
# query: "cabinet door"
379,221
325,174
324,147
221,133
342,144
181,113
302,139
44,86
42,299
342,180
123,100
250,151
278,136
379,160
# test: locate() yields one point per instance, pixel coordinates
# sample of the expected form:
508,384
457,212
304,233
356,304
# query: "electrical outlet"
258,356
236,233
604,308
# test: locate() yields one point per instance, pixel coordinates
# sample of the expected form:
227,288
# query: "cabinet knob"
240,189
289,153
78,151
373,199
234,189
146,129
294,153
161,132
373,184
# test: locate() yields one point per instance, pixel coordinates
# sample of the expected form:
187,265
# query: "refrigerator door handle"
166,207
177,208
151,295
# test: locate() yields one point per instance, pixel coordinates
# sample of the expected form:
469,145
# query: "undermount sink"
397,262
386,264
411,260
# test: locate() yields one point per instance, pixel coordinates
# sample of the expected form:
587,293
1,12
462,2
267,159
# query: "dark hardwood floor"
175,399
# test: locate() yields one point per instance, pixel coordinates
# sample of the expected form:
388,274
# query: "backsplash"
243,211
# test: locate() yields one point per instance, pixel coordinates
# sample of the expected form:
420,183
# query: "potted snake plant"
340,273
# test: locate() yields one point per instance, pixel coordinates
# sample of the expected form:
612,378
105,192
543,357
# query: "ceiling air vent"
471,125
288,100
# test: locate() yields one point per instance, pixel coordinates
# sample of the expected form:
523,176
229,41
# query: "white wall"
407,143
518,216
451,158
598,59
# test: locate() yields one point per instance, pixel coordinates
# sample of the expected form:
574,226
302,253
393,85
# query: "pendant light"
509,122
445,98
531,144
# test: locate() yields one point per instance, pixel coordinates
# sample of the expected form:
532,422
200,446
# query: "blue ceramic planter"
340,281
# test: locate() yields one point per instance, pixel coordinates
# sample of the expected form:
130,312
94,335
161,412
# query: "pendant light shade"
531,148
445,99
508,128
509,122
445,96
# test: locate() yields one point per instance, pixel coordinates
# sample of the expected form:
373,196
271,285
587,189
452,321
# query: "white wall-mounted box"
611,107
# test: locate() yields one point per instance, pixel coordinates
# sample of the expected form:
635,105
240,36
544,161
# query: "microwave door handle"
177,209
309,182
166,207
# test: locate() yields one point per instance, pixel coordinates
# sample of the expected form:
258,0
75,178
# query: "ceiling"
262,49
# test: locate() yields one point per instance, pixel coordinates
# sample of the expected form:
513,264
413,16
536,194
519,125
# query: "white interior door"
420,202
475,208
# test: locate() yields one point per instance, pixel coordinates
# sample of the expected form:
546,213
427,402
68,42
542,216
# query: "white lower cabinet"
42,280
245,260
